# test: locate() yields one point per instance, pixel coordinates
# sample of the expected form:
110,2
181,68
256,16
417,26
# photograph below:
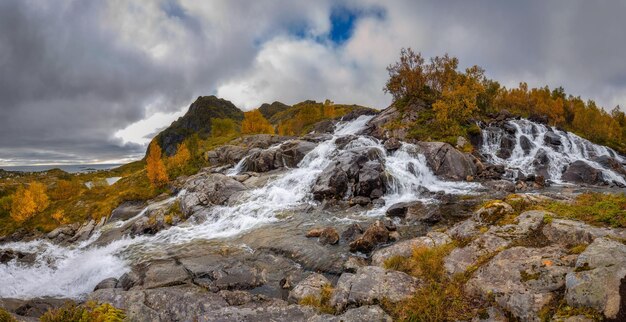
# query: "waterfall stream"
73,271
540,149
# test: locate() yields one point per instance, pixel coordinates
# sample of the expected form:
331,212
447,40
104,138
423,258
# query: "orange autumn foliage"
255,123
155,167
26,202
180,159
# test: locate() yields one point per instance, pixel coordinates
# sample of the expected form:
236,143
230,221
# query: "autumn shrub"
26,202
66,189
6,316
223,127
155,167
455,98
88,312
255,123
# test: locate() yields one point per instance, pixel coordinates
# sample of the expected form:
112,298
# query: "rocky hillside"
353,221
197,120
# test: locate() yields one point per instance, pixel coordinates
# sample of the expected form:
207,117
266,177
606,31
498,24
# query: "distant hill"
269,110
197,120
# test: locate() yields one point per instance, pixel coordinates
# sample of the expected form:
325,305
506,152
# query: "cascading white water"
525,161
75,270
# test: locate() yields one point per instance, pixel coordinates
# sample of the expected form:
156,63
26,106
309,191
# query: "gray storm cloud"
74,73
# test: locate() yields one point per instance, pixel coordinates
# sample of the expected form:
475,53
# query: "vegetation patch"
88,312
321,302
6,316
440,297
594,208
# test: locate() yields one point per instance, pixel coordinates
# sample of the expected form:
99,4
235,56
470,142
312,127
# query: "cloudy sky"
92,81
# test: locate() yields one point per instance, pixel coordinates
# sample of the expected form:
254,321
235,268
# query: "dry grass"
321,302
88,312
440,297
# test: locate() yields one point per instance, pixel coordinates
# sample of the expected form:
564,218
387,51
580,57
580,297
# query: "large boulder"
599,279
491,242
405,248
310,287
611,164
522,280
226,154
446,161
357,172
377,126
552,139
370,285
208,189
288,154
581,172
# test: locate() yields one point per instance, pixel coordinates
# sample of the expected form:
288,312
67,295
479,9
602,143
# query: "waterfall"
539,149
74,271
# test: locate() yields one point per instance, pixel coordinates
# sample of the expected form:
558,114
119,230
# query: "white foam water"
74,271
572,148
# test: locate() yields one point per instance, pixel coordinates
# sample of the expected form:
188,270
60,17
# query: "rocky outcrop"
405,248
197,120
581,172
288,154
446,161
309,287
599,279
522,280
370,285
377,127
207,189
358,172
491,242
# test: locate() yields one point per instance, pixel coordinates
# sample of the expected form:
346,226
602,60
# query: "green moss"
525,276
594,208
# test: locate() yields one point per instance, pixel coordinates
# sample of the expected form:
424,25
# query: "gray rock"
492,212
500,185
526,144
460,259
465,229
370,285
288,154
354,172
581,172
207,189
599,278
392,144
107,283
405,248
164,274
126,210
522,280
572,233
367,313
552,138
309,287
446,161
